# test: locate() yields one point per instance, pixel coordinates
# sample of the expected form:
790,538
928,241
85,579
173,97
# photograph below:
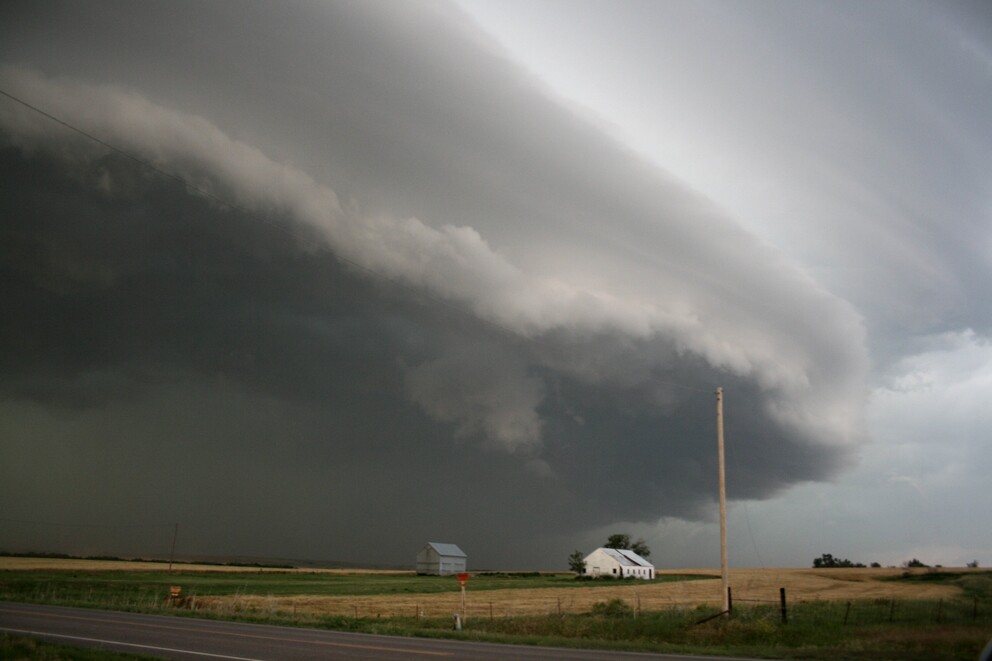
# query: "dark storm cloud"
443,307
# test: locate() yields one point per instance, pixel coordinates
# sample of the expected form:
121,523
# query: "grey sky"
483,277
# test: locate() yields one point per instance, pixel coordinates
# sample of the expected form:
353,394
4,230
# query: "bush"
612,608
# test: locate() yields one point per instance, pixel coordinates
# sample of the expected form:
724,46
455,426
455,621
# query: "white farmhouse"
619,563
441,559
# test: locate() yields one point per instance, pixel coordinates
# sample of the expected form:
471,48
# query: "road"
171,637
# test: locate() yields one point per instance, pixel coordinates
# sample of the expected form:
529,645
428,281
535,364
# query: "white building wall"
451,565
600,563
429,561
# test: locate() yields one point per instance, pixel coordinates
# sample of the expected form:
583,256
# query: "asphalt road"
170,637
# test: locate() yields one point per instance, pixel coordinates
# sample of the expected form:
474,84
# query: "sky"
330,280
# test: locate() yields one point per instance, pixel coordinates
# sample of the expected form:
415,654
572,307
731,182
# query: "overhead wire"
59,524
303,238
299,236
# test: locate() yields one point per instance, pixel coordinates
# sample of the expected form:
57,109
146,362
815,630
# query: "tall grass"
881,628
23,648
814,630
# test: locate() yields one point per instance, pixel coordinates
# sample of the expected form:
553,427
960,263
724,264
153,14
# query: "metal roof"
447,549
627,558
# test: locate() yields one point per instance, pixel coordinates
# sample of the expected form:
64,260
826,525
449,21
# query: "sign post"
463,581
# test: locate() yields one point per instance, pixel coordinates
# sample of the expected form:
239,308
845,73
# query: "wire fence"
776,608
880,610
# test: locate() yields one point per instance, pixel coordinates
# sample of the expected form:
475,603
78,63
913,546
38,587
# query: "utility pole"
724,577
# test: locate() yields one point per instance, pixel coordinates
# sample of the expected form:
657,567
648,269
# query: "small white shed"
619,563
441,559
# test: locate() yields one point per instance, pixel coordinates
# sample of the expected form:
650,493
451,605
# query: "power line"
303,238
683,386
754,544
55,524
299,236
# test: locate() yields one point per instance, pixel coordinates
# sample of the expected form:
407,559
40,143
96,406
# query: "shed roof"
447,549
627,558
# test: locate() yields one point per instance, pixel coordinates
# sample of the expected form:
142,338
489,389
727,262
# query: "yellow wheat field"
746,584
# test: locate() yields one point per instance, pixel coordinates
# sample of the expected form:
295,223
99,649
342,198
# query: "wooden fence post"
785,613
730,601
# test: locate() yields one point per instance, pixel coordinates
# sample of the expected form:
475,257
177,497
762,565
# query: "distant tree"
640,547
577,563
828,561
875,564
914,563
973,564
618,541
825,560
622,541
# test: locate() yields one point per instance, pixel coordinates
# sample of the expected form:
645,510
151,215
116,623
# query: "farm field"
398,593
919,613
510,596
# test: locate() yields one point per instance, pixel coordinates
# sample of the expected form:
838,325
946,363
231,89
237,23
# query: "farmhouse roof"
627,558
447,549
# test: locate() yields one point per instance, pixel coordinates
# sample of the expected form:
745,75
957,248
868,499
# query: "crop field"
857,613
510,596
399,593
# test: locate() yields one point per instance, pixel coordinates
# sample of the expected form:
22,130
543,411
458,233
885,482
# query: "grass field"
848,613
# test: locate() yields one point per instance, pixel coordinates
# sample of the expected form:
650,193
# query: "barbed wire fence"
875,610
750,603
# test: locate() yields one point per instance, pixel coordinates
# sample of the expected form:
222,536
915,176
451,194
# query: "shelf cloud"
360,281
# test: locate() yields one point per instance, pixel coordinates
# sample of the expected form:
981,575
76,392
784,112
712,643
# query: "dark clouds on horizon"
445,308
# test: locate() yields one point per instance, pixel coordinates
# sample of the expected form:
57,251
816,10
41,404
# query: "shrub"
612,608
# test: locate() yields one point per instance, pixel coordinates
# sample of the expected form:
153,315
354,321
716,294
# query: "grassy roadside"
146,590
24,648
880,628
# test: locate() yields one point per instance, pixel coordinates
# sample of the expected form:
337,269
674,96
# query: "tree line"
828,561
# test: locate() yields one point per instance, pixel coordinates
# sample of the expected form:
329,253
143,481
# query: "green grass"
869,629
126,588
816,630
23,648
973,584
